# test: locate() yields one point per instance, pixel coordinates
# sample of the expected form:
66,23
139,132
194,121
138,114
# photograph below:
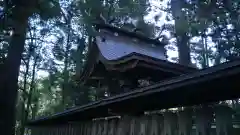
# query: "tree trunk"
181,33
66,60
9,76
184,50
65,72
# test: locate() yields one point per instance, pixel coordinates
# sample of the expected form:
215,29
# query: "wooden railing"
185,122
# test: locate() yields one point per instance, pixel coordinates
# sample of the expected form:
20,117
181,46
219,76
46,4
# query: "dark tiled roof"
128,33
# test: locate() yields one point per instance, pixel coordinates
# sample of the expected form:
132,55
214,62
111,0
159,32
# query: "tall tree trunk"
66,60
181,33
9,76
184,50
65,72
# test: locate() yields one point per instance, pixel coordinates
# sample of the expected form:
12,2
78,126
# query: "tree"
18,12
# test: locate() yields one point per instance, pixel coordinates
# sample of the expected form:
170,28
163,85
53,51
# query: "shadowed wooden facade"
207,121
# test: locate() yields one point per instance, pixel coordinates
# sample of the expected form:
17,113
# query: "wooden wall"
201,121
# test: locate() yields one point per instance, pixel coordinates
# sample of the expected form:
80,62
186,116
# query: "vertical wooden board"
112,126
170,123
156,125
99,127
123,127
185,121
94,127
67,130
48,132
133,126
37,131
76,128
86,124
59,130
40,130
81,130
143,125
224,124
55,130
44,131
84,129
63,130
73,128
89,128
52,130
33,131
70,129
204,118
105,128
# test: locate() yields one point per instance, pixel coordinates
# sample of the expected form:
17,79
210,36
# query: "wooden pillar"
185,121
170,123
204,118
224,124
